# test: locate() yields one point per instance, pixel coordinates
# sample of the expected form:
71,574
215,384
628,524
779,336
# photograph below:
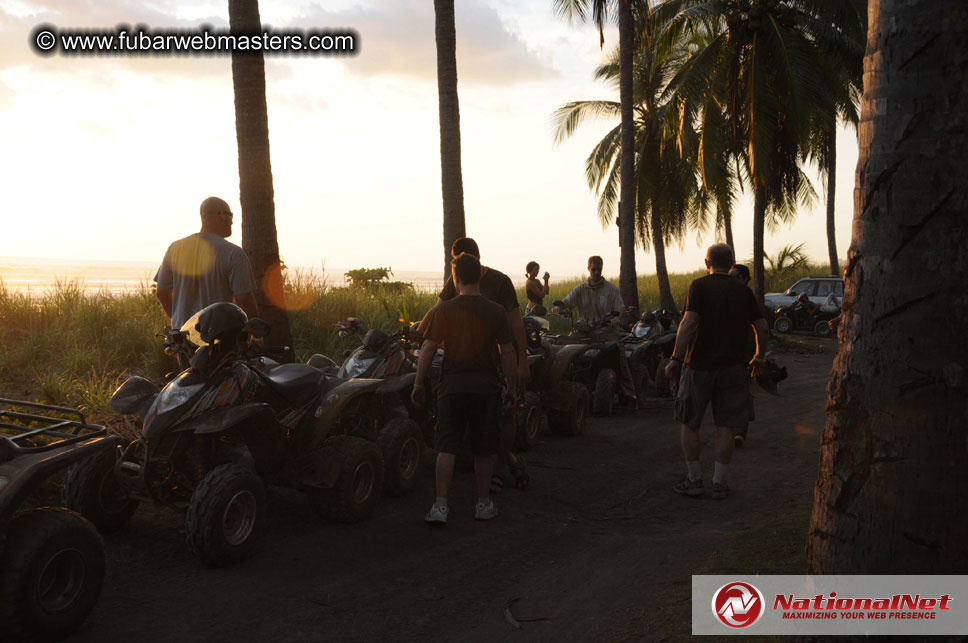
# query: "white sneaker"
437,515
485,511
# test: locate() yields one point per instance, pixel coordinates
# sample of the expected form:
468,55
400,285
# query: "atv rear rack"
42,423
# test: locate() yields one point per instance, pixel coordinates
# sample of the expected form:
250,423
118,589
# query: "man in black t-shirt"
712,341
497,287
477,339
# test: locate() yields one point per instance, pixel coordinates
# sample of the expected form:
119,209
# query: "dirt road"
600,548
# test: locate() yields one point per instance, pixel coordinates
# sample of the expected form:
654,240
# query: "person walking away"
497,287
476,337
711,344
534,289
203,269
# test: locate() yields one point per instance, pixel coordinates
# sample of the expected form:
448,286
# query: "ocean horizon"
37,276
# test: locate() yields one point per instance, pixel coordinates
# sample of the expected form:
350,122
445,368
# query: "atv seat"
296,382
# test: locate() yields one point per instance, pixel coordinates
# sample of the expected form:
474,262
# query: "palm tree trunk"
726,216
831,192
892,494
759,219
628,281
666,300
255,175
451,181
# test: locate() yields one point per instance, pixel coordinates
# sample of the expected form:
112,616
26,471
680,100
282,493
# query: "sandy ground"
600,548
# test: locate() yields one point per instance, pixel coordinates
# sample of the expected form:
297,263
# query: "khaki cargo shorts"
728,389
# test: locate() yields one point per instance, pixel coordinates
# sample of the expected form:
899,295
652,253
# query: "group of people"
477,323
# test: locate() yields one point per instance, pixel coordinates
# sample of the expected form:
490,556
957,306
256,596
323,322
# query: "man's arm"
507,363
685,335
762,332
427,351
424,325
517,328
247,303
166,299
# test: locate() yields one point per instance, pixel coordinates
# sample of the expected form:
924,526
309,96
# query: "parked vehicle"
51,558
567,403
215,435
817,289
803,314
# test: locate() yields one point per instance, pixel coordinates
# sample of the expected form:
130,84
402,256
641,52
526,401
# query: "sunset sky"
108,158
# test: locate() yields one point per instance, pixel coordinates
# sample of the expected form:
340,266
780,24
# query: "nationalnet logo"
832,606
738,605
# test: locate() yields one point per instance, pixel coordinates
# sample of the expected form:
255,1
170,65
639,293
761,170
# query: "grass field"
72,349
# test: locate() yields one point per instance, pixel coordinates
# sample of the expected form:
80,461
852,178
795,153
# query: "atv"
231,423
51,559
803,314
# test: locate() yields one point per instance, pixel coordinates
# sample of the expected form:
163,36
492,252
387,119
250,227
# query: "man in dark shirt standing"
712,342
472,329
497,287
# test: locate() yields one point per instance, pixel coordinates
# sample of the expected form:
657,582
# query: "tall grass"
71,348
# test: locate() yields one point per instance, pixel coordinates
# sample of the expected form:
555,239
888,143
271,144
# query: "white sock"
441,502
695,471
719,475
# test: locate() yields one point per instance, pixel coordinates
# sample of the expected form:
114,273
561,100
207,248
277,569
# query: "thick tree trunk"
892,494
666,300
759,219
831,193
628,280
451,181
255,175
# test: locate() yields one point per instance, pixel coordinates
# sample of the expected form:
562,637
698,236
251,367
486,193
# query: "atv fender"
396,384
335,401
563,359
134,397
226,417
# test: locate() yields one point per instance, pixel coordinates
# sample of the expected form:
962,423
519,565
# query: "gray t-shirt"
594,301
202,269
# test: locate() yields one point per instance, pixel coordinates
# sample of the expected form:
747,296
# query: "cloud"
397,38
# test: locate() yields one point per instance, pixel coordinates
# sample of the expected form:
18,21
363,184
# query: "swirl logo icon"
738,605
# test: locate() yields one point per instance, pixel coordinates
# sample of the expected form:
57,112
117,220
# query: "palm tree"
762,66
668,200
579,9
255,174
892,493
451,181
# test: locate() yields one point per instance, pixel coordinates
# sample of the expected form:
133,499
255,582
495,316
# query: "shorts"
478,413
728,389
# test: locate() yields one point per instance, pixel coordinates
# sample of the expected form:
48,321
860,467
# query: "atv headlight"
174,396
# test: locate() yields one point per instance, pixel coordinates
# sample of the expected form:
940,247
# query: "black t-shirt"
495,285
726,309
470,328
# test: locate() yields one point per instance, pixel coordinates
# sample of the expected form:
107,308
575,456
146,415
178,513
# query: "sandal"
520,472
497,484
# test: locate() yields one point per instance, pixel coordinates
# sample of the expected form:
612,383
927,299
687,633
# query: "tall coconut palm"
598,10
255,174
451,179
667,195
892,494
763,65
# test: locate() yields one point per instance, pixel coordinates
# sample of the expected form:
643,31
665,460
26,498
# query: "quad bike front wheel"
50,574
529,423
571,421
402,446
782,325
822,329
226,519
91,489
359,485
604,395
